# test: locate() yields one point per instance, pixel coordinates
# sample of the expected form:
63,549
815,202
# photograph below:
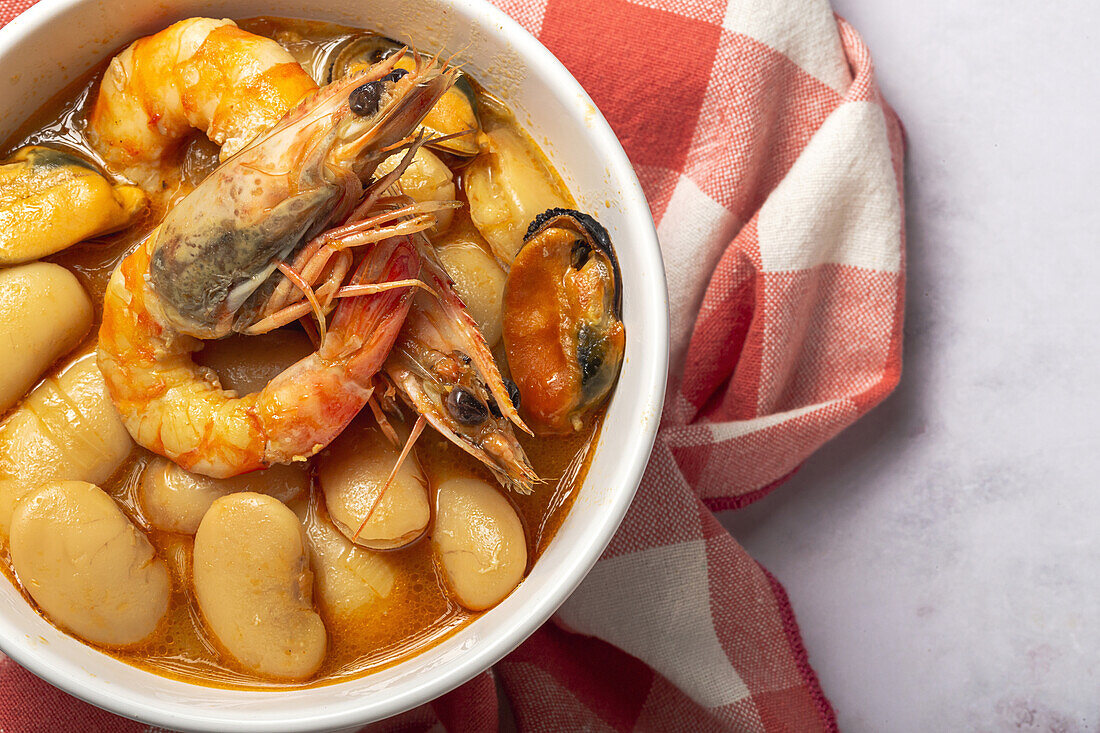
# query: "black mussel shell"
591,231
369,48
41,156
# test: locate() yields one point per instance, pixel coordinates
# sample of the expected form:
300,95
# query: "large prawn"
199,73
208,270
444,370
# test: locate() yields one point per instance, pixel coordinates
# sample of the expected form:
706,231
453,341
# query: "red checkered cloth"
774,171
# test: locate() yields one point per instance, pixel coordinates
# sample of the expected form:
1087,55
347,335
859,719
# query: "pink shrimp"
208,270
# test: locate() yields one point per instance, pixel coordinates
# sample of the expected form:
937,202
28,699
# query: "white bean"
507,187
478,279
353,470
175,500
479,540
426,179
43,314
66,429
348,579
86,565
254,586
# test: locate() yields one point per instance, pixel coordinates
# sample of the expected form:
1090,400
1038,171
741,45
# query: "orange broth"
423,613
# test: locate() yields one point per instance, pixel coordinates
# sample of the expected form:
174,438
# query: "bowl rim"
652,366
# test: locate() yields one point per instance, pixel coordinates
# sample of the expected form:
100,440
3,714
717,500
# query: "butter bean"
43,315
352,472
479,541
66,429
86,565
507,186
348,579
478,279
254,587
426,179
175,499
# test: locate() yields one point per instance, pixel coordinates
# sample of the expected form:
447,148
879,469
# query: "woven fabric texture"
773,169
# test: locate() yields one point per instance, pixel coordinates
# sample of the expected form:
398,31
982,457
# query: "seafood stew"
294,396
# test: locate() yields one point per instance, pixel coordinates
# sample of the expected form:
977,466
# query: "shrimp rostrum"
215,263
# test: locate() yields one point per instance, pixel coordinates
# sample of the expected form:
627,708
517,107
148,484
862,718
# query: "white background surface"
943,555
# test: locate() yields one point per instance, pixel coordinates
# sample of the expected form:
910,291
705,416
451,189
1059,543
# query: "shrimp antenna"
382,420
307,291
377,189
418,428
350,291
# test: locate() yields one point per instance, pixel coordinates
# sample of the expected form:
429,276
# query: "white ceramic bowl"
57,40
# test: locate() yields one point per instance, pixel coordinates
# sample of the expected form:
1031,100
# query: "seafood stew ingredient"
199,73
452,124
65,429
174,500
44,313
352,474
426,179
507,187
562,327
86,565
349,580
478,279
40,191
479,541
254,586
176,409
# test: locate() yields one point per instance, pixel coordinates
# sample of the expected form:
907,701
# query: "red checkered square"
759,112
831,344
651,91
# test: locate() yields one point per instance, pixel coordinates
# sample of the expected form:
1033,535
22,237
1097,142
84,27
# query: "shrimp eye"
364,100
513,392
466,408
395,76
513,397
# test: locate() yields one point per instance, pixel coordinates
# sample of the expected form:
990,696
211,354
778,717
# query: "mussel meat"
562,321
51,199
453,117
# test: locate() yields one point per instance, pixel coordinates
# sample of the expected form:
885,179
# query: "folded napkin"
774,172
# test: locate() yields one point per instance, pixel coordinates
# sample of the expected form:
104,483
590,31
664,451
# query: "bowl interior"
59,39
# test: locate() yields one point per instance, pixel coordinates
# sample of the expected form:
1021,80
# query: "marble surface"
943,555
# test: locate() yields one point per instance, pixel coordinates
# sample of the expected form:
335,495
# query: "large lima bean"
426,179
43,315
478,278
175,500
352,472
348,579
507,187
479,540
254,586
66,429
86,565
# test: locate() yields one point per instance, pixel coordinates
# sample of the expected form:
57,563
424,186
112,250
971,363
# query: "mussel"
562,321
51,199
454,116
